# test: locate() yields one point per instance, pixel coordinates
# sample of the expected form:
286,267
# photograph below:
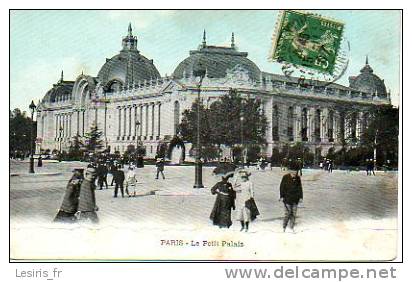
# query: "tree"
21,128
75,149
93,141
382,134
221,124
225,118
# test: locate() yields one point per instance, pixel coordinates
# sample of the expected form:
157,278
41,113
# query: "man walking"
291,194
119,179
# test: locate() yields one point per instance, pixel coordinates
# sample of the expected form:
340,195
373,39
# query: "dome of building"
61,91
128,67
368,82
216,61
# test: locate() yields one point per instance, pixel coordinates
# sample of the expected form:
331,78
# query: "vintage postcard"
169,135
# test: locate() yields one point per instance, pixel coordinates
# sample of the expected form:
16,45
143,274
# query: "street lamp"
198,163
60,139
241,139
32,107
137,124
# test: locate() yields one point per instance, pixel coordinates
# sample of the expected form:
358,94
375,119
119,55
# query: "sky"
43,43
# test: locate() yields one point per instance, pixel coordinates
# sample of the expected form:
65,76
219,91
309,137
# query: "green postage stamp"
307,40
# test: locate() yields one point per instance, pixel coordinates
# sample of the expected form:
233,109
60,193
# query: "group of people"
370,167
239,196
326,164
79,201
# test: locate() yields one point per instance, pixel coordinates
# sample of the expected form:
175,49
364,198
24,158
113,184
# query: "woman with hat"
245,205
70,202
221,214
131,181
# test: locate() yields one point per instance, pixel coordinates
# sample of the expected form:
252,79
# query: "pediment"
172,86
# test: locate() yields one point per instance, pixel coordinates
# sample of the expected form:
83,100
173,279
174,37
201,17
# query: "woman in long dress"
70,201
131,182
221,214
245,205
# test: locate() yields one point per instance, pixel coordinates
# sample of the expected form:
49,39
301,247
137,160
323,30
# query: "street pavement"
344,216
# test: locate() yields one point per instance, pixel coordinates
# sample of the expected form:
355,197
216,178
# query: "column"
130,121
56,117
336,127
67,125
297,136
83,123
124,121
64,126
70,125
146,133
158,120
323,125
78,123
141,120
359,132
311,124
152,133
134,121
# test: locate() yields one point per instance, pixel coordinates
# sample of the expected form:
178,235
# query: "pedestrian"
245,204
70,201
291,194
330,166
102,175
371,167
40,161
113,169
131,181
160,165
87,199
299,162
119,179
221,214
284,163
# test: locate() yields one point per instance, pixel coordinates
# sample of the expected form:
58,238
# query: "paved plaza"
344,215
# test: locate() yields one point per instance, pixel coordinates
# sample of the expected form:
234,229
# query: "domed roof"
62,90
368,82
216,61
129,66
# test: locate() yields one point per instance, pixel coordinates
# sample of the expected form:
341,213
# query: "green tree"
76,148
21,126
93,139
221,124
382,134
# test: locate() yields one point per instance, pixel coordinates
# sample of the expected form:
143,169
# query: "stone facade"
130,108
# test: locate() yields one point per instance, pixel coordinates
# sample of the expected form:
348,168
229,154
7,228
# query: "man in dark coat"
225,202
299,164
119,180
70,202
291,193
102,175
87,199
40,162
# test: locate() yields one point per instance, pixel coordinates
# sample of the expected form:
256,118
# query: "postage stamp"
307,40
224,159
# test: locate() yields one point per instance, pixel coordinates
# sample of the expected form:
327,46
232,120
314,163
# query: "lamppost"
60,139
32,107
137,124
241,139
198,163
